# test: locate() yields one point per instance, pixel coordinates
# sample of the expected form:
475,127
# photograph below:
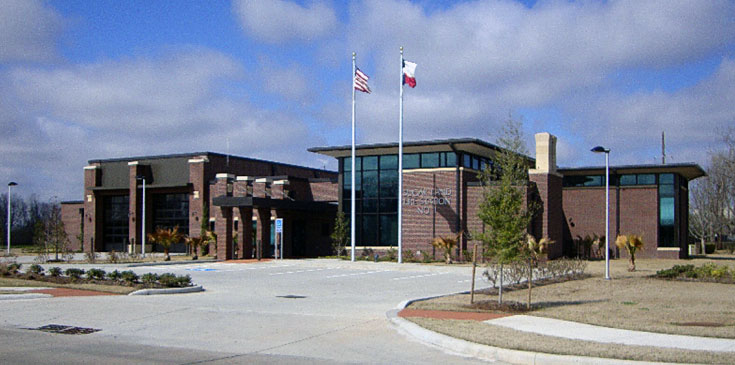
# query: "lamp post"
10,184
600,149
142,221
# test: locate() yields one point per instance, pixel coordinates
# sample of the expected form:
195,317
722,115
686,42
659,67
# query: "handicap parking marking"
201,269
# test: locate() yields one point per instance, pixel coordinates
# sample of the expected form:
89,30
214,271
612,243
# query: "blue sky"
83,80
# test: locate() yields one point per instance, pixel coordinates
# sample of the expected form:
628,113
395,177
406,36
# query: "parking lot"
313,311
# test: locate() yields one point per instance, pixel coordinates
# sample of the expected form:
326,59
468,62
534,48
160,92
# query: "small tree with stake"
533,250
503,207
340,236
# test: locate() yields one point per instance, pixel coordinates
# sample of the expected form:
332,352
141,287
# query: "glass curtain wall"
115,231
376,199
169,211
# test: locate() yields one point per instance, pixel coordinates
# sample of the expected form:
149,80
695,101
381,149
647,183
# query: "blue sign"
279,225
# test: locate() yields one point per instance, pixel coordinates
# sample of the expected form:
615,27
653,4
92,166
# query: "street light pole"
10,184
142,222
600,149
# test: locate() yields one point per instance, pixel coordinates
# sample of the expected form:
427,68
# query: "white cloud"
28,31
693,119
279,21
479,60
177,102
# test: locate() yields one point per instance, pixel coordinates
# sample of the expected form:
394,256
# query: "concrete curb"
190,289
464,348
24,296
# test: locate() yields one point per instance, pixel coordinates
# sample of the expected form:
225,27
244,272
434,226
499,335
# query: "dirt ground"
631,300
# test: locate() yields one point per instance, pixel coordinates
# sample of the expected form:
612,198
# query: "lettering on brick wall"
424,199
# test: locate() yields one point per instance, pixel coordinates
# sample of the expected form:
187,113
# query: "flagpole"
352,186
400,170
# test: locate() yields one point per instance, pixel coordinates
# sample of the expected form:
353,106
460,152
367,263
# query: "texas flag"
409,69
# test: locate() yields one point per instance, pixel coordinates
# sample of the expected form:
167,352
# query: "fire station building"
440,197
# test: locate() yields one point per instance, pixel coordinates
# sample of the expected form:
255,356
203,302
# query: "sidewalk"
581,331
546,327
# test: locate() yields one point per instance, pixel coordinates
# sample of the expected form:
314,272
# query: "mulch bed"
66,292
467,316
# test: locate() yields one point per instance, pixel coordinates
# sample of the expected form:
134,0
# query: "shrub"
14,268
172,281
96,274
149,278
113,257
74,273
184,281
55,271
392,254
408,255
709,248
114,275
91,257
367,254
129,276
426,256
36,269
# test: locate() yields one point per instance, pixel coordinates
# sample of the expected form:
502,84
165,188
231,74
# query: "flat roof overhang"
255,202
690,171
470,145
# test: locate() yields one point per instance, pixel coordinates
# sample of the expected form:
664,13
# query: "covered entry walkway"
244,208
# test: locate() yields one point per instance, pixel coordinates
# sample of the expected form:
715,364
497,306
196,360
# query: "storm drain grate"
66,330
291,296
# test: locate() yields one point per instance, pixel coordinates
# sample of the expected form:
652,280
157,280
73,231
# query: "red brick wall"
550,219
324,191
72,220
636,213
430,207
196,204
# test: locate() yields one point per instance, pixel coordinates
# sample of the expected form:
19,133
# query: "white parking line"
419,276
356,274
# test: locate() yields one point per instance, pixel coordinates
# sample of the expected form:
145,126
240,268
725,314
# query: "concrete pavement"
318,311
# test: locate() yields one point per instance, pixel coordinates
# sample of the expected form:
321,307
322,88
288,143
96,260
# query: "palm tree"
630,243
195,243
166,238
446,244
533,251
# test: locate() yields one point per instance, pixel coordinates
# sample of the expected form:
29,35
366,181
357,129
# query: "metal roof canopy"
256,202
689,170
471,145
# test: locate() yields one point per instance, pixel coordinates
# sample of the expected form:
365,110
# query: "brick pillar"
260,187
199,194
279,189
245,243
223,228
263,238
549,184
92,210
223,216
136,204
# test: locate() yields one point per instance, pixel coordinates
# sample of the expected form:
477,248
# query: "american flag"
361,81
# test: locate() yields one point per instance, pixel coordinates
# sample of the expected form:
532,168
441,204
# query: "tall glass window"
116,222
169,211
376,198
666,206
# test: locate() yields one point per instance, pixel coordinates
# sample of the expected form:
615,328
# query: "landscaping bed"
631,300
121,282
